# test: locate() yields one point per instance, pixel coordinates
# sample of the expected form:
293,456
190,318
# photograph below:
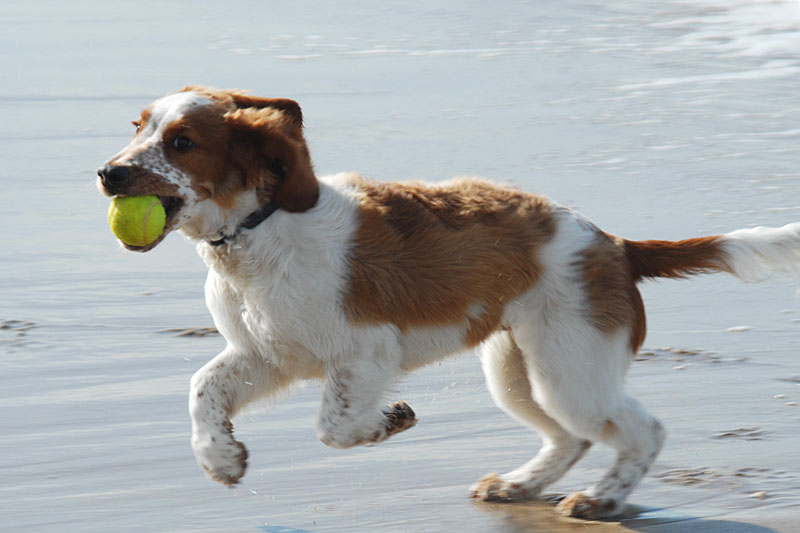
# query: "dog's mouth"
172,207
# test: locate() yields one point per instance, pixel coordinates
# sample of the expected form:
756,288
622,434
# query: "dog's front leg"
352,410
221,388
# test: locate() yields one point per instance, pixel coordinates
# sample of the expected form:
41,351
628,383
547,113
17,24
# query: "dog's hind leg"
637,436
577,378
508,383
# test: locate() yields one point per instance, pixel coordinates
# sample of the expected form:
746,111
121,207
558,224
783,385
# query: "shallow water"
663,119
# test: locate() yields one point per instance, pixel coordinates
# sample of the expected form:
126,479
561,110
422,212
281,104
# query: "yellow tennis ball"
136,220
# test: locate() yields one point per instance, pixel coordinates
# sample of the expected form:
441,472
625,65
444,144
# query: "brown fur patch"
142,121
244,143
205,162
614,301
267,144
675,259
242,100
612,266
447,254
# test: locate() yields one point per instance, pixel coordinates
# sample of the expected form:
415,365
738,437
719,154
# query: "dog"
355,282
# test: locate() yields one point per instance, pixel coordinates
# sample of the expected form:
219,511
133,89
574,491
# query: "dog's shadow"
539,516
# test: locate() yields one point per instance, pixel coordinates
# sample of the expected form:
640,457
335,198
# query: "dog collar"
253,219
256,217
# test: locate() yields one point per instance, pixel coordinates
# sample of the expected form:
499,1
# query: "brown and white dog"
355,282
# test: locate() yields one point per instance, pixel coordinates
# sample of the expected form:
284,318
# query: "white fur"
275,293
755,253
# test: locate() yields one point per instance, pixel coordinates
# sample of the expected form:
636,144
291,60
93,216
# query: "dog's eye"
182,143
137,126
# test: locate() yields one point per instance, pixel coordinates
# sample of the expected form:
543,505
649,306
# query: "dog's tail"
750,254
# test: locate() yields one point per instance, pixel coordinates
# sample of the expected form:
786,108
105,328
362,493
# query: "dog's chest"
286,314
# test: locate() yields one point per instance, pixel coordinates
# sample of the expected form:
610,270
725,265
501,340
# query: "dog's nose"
112,175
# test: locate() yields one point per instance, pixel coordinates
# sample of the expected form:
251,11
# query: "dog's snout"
113,175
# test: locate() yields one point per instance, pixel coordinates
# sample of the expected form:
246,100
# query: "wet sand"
104,437
655,119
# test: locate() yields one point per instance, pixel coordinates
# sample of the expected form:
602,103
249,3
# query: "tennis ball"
136,220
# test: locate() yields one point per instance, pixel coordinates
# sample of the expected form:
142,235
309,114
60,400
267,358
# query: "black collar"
253,219
257,217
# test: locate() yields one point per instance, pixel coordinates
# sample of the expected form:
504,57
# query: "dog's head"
214,157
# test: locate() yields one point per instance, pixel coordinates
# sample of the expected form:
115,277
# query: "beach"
656,120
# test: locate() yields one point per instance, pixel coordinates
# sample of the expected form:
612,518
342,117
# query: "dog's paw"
493,488
579,505
223,458
399,417
392,419
229,467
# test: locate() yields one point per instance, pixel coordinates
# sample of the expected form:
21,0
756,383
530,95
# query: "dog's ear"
267,143
287,106
242,100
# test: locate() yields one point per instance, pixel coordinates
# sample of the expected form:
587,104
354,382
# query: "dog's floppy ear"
289,107
267,143
242,100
